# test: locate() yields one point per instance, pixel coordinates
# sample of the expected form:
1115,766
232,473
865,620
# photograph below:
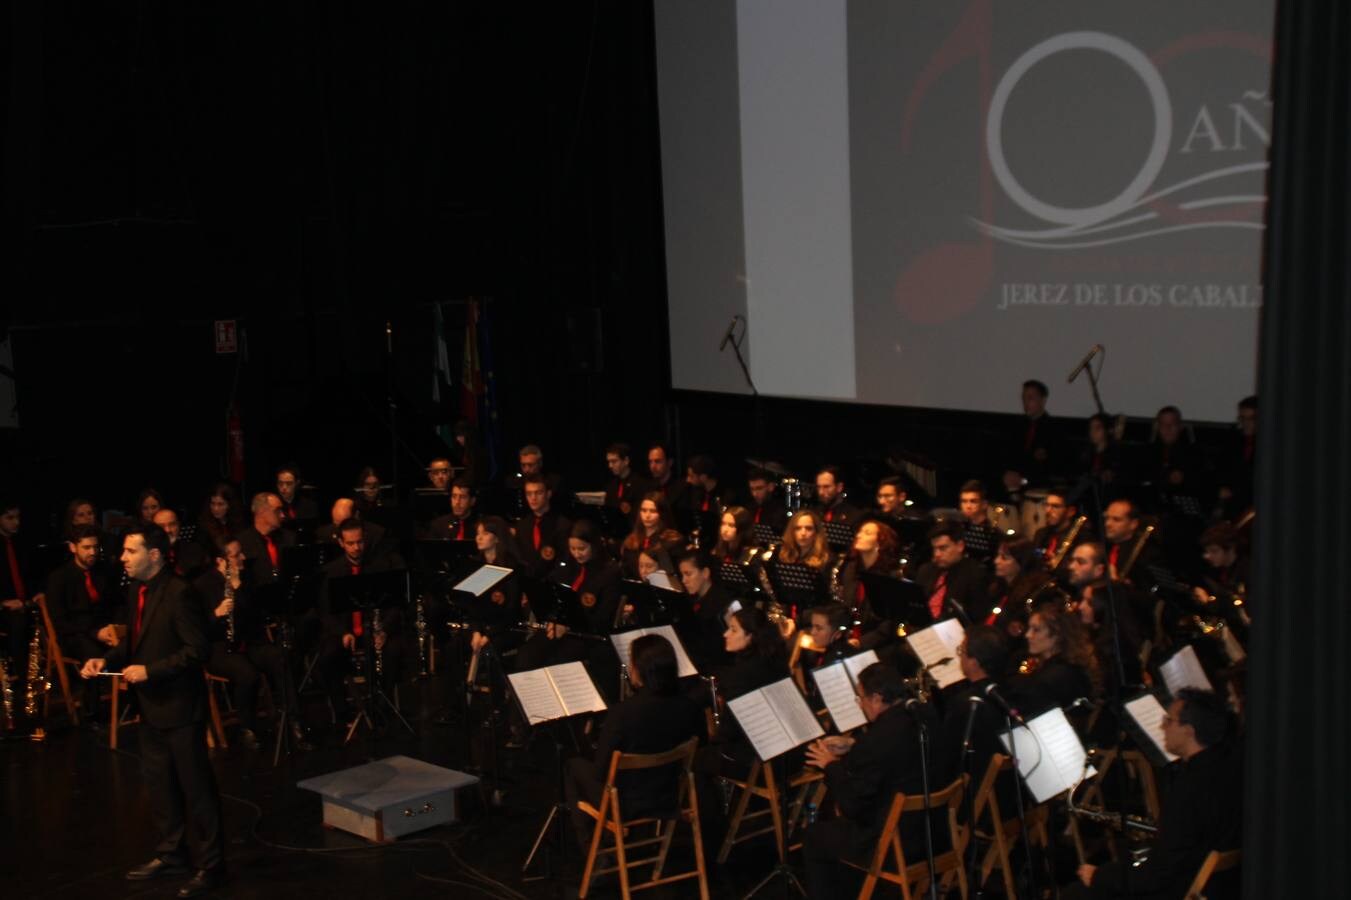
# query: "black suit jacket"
647,722
883,761
340,623
69,604
968,584
172,645
259,562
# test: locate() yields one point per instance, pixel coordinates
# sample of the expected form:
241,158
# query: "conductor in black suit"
161,661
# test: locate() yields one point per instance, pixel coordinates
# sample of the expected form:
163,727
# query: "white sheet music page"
858,662
938,642
623,640
838,694
792,709
575,688
1183,670
535,692
1148,713
761,726
661,580
1050,757
683,661
482,580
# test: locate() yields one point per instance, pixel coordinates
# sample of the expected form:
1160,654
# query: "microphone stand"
757,406
928,819
1031,871
968,761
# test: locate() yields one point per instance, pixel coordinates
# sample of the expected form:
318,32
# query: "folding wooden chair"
610,821
1215,861
215,732
913,878
1136,766
59,664
808,782
1001,833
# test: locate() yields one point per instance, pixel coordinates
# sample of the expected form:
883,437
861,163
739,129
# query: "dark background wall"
315,171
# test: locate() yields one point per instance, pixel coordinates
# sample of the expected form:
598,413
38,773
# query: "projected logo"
1221,197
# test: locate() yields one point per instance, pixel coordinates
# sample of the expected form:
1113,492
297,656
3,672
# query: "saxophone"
837,589
773,608
423,640
36,684
377,627
1060,552
7,691
1135,553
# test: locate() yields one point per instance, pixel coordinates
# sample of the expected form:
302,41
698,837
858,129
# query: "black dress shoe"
205,880
155,868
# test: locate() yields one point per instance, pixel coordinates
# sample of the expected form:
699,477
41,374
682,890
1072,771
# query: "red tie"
1051,544
620,493
1112,557
288,511
271,550
140,608
356,614
830,515
704,508
459,532
536,537
581,576
758,510
647,541
14,569
89,587
940,593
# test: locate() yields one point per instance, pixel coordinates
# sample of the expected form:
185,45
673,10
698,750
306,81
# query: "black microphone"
727,338
992,692
1083,363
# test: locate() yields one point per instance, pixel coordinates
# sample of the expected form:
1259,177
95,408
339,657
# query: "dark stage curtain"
1297,790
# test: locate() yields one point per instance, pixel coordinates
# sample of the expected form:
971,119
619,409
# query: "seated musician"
1200,812
1131,551
953,582
984,656
863,776
876,550
804,546
186,558
703,633
1060,667
625,485
79,511
1060,530
830,497
84,603
1172,462
735,539
265,540
226,593
595,578
829,627
367,492
980,535
1019,583
1103,459
661,471
345,508
765,507
492,537
759,657
1228,572
541,534
294,505
15,593
1096,615
652,529
705,492
221,517
344,632
148,502
458,524
655,719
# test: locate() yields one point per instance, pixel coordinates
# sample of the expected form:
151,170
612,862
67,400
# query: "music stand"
554,602
610,520
475,601
282,601
303,529
368,593
657,606
734,576
764,535
839,535
897,600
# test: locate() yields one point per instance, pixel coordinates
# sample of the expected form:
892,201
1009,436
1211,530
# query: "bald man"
344,508
187,558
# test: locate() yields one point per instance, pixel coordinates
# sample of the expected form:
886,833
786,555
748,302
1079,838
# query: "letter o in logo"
1158,151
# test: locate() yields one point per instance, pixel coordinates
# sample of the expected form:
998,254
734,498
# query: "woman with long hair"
221,516
798,573
1061,666
876,551
651,531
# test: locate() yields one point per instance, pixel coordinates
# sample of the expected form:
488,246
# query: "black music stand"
764,535
554,602
303,529
366,594
482,611
897,600
429,503
657,606
734,576
839,535
283,602
612,522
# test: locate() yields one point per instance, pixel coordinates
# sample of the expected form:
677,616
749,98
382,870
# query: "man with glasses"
863,775
1059,530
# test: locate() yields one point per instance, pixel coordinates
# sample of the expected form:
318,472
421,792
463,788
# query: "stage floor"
75,819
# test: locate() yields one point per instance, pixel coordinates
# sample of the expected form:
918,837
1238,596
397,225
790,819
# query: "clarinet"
230,616
379,653
423,640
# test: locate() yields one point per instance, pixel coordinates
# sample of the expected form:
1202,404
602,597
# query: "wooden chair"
1136,766
1001,833
610,820
808,782
913,878
215,732
1215,861
116,712
58,663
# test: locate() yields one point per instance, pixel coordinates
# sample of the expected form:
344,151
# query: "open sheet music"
482,581
1050,757
661,580
1183,670
836,684
937,643
555,692
1147,714
624,639
776,718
